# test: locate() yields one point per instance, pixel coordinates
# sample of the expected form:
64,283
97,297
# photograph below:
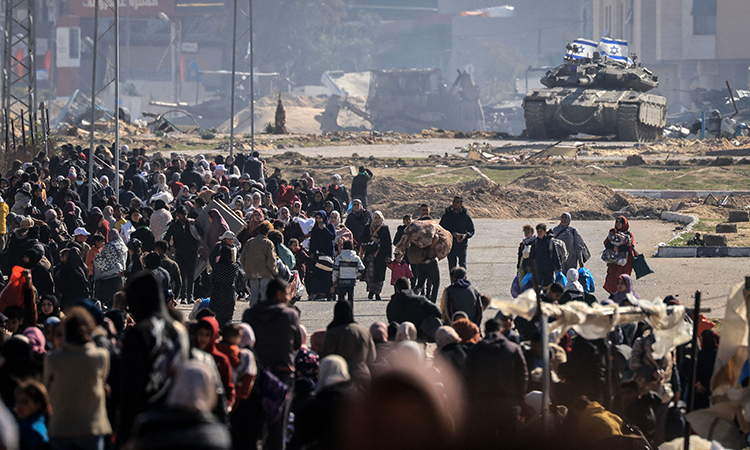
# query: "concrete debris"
726,228
739,216
715,240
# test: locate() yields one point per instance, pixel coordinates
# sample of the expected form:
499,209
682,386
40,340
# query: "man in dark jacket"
254,167
338,190
459,223
277,330
406,306
191,176
186,243
462,296
359,184
160,247
126,193
544,255
496,381
140,186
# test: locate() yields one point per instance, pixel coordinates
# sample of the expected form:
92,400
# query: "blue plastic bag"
562,279
586,280
528,282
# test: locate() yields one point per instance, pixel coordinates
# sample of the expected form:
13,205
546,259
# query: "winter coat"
354,343
406,306
546,260
277,334
496,369
346,274
258,258
458,222
462,296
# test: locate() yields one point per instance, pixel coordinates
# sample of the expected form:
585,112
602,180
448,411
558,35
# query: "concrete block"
726,228
715,240
739,216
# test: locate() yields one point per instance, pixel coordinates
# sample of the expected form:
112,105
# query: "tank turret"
596,92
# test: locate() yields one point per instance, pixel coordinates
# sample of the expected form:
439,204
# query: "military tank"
596,95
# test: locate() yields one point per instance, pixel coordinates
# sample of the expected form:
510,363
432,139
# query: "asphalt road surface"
492,259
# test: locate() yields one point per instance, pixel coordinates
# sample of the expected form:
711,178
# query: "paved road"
492,259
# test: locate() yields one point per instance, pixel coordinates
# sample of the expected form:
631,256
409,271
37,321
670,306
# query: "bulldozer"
409,101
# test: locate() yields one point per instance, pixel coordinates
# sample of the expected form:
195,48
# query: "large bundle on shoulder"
424,240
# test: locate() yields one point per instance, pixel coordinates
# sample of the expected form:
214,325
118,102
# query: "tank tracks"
533,112
630,128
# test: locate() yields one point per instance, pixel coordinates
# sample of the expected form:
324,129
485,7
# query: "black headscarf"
145,296
342,314
41,318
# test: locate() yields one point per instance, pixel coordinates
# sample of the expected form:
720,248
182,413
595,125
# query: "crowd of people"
96,354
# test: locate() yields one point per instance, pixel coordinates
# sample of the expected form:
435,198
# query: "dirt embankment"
540,193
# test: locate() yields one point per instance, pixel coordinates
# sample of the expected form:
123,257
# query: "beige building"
689,43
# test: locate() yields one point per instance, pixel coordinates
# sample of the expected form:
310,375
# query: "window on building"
704,17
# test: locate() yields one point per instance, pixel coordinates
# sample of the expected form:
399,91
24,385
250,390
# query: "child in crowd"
399,269
99,242
31,408
346,268
229,345
300,255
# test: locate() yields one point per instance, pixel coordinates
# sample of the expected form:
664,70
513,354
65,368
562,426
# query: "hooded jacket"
222,361
458,222
406,306
40,275
277,333
462,296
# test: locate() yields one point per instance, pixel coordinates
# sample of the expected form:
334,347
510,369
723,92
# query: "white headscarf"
573,284
194,388
406,332
333,370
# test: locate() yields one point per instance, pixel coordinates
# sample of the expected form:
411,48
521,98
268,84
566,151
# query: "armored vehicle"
596,95
411,100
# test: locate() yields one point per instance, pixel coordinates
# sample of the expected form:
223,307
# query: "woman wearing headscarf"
377,252
450,348
160,219
40,273
108,265
467,330
573,289
577,249
95,223
319,280
342,233
36,339
182,196
317,202
49,306
71,279
134,263
251,229
186,421
217,227
317,422
223,278
619,240
71,219
292,229
624,288
351,341
206,337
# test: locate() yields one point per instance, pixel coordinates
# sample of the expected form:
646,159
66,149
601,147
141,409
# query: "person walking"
544,255
223,278
462,296
359,184
377,250
406,306
578,252
258,260
458,222
620,244
346,269
320,277
351,341
75,377
278,338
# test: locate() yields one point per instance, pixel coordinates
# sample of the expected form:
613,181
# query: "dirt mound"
540,193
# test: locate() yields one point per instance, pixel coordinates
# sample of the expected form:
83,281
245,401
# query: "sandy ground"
492,259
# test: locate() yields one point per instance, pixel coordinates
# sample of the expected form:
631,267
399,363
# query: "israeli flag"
583,49
615,49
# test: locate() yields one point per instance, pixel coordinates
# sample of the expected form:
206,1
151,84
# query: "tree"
280,125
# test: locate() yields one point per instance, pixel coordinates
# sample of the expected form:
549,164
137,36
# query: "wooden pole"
694,363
